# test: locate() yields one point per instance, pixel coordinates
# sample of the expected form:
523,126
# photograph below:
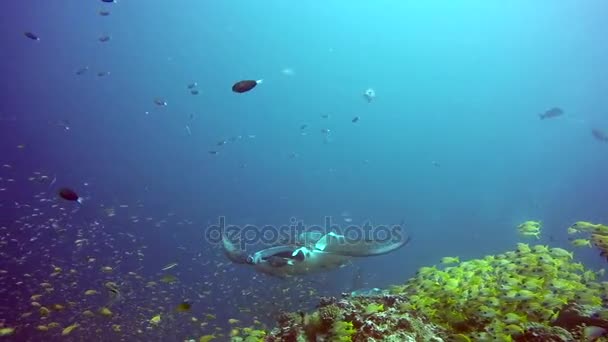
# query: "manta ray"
311,253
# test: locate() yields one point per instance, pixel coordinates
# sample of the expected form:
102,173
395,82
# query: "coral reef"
356,319
534,293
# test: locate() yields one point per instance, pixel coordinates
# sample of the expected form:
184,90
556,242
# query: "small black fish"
109,1
213,152
194,91
245,86
104,13
303,126
31,36
69,195
103,73
551,113
355,119
82,70
220,143
192,85
160,102
325,116
104,38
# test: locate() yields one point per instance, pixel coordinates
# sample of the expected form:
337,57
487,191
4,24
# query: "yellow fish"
69,329
450,260
581,242
155,320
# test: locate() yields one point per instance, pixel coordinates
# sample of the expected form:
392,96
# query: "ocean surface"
133,110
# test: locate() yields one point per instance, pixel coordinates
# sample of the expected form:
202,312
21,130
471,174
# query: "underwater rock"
357,319
543,333
574,316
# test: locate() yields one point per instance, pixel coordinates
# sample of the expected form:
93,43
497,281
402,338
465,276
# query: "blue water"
452,144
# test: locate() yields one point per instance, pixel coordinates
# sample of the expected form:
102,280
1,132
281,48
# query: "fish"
168,279
103,73
169,266
104,13
160,102
192,85
69,195
599,135
214,152
194,91
450,260
65,124
31,36
551,113
369,94
355,119
183,307
105,312
82,70
303,126
6,331
109,1
53,181
104,38
155,320
69,329
245,85
581,242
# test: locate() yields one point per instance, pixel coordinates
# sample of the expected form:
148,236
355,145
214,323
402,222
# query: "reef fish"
245,86
369,94
69,195
31,36
551,113
599,135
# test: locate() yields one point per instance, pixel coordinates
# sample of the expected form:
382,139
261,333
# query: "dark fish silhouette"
551,113
160,102
599,135
104,13
69,195
104,38
355,119
82,70
31,36
183,307
245,86
108,1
